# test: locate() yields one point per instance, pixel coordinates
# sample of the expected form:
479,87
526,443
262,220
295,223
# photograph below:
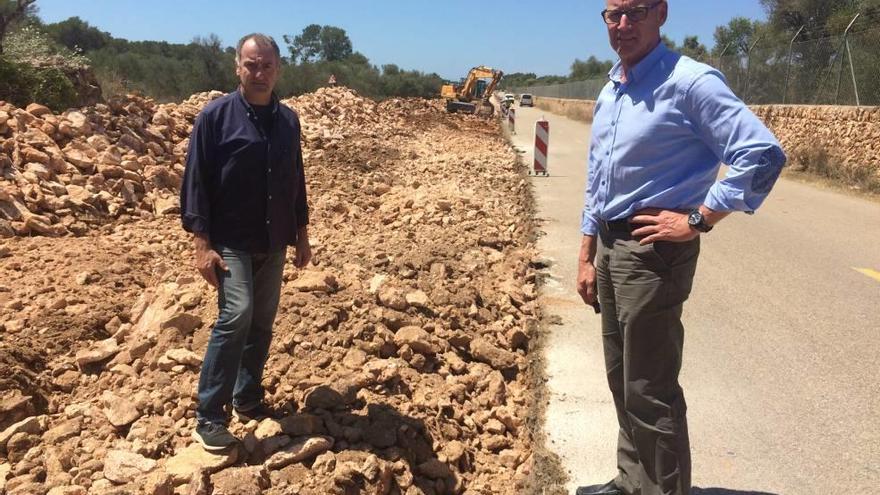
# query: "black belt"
622,225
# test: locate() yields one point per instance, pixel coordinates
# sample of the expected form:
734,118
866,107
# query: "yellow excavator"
472,96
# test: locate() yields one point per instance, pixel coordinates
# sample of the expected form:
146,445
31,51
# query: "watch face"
695,218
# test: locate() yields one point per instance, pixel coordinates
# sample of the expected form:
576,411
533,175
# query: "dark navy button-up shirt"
243,186
659,138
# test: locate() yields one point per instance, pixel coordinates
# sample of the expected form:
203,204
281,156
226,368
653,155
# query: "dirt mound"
401,354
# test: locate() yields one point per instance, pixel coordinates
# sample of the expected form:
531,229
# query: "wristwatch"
697,221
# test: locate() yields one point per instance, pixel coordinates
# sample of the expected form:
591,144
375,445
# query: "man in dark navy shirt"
244,199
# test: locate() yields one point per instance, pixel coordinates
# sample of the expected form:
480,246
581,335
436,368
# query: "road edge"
547,475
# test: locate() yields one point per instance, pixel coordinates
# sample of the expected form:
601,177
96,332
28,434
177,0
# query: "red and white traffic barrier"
542,141
511,120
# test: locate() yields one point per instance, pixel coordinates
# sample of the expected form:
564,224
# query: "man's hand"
586,282
207,260
662,225
586,278
303,254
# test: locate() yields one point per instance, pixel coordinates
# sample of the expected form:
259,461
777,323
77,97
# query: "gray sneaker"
214,436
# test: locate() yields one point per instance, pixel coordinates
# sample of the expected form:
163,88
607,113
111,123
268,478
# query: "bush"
15,83
22,84
54,89
34,69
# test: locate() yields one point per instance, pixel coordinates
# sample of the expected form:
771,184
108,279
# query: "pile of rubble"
67,173
401,354
64,174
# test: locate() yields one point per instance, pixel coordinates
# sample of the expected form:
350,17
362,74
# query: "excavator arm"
470,84
491,87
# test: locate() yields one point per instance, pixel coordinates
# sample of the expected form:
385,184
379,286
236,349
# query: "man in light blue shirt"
661,128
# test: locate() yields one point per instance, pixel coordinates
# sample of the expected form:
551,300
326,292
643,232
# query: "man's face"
632,40
258,70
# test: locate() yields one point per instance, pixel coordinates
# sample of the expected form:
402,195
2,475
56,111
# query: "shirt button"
270,196
267,222
270,171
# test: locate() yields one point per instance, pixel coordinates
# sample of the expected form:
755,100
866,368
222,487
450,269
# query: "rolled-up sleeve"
739,139
195,205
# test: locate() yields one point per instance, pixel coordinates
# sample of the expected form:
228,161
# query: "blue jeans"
239,345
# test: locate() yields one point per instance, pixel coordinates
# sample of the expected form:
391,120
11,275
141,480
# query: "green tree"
691,47
215,63
11,12
790,15
76,34
335,44
818,52
319,43
736,36
306,46
591,68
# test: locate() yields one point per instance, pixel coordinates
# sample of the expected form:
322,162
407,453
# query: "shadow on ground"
725,491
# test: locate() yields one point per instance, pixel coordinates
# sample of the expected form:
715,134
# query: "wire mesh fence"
577,90
811,68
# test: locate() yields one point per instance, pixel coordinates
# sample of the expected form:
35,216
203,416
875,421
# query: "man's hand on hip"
207,260
662,225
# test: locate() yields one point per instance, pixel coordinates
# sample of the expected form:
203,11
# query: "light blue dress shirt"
659,138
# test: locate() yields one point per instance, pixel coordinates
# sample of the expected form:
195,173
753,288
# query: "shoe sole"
210,448
244,419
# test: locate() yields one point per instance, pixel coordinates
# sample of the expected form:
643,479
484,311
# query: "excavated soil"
404,355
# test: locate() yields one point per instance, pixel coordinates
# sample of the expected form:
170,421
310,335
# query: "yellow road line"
871,273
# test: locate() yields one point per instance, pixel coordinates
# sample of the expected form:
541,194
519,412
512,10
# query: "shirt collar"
641,69
273,102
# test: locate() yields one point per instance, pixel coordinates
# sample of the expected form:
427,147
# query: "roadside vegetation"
39,62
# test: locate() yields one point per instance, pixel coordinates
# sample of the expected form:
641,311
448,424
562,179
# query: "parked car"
526,100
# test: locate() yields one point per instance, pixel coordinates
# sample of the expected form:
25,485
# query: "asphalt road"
782,338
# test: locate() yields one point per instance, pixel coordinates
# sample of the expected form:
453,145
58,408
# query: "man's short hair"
261,40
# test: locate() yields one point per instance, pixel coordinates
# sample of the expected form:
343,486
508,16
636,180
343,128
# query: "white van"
526,100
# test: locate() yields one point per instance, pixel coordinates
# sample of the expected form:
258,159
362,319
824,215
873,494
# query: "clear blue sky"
443,36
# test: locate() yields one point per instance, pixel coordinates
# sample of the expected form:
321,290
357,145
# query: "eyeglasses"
634,14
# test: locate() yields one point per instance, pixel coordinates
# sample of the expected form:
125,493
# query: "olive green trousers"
641,292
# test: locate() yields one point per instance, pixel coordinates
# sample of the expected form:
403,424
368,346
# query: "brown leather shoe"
607,489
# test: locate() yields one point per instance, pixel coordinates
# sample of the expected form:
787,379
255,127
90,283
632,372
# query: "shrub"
21,84
15,82
53,89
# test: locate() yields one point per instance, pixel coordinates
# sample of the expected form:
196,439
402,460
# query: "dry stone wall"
835,141
581,110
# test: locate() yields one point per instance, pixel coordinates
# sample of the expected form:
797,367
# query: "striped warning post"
542,140
511,120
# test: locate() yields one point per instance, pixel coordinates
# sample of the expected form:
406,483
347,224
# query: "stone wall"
834,141
581,110
841,142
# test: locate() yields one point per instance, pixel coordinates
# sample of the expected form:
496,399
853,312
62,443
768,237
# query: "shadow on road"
725,491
